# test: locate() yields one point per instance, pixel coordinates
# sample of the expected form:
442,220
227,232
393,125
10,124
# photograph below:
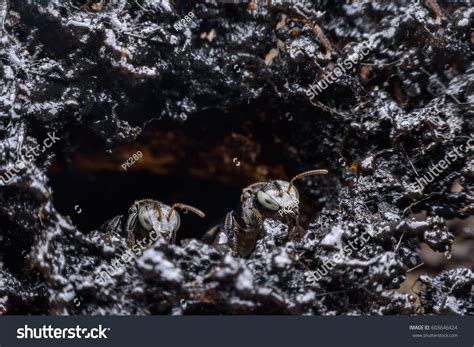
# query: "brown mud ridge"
216,105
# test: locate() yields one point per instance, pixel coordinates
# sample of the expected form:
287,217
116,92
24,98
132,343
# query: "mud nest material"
120,72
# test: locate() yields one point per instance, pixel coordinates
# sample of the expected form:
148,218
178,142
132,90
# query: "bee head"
280,199
165,220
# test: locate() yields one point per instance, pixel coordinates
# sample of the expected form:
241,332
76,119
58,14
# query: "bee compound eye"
267,201
178,221
145,218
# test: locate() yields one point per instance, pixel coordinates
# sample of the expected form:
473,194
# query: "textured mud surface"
223,101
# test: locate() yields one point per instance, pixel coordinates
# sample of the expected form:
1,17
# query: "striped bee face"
150,215
275,201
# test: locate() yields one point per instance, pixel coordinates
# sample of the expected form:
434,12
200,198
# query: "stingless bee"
147,216
276,199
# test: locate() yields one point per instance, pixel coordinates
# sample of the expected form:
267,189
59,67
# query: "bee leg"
131,240
225,237
221,236
129,227
229,223
112,224
244,238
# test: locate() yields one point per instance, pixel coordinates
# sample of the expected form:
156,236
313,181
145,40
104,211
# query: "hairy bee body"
243,227
149,216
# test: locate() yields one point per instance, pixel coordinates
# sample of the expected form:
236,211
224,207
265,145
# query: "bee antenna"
158,209
186,208
279,188
304,174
